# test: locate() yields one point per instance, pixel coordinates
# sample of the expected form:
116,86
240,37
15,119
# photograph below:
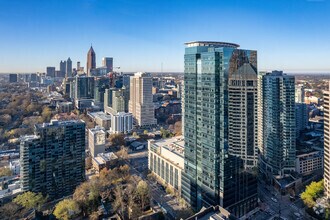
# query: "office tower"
91,61
114,100
140,103
101,84
63,68
50,71
182,107
108,63
276,124
300,93
96,140
68,72
212,175
53,159
326,175
242,112
84,87
301,109
34,77
78,65
12,78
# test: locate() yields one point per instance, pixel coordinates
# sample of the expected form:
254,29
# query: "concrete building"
104,160
121,122
68,72
242,112
310,162
96,140
84,87
212,213
50,71
114,101
91,61
213,174
276,124
108,63
166,160
326,175
63,107
101,119
62,68
15,166
140,103
301,109
53,159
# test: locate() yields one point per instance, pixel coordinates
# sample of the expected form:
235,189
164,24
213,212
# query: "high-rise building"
68,72
242,114
12,78
53,159
84,87
326,96
50,71
108,63
276,124
101,84
212,174
121,122
62,68
114,101
91,61
96,140
301,109
141,102
78,65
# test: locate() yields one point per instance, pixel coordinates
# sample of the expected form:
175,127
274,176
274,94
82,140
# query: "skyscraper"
327,142
276,124
91,61
108,62
84,87
63,68
53,159
213,174
12,78
50,71
68,68
301,109
141,102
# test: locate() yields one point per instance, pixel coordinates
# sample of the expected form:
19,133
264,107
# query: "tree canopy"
66,209
312,192
30,200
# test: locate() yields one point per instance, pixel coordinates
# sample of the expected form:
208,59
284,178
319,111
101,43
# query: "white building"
141,102
166,160
121,122
15,166
96,140
309,162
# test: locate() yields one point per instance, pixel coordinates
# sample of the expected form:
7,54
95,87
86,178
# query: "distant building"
301,109
108,63
12,78
121,122
62,68
276,124
96,140
91,61
115,100
101,84
53,159
166,160
140,103
63,107
84,87
326,96
68,72
50,71
310,162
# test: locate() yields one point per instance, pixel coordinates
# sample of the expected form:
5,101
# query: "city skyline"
147,36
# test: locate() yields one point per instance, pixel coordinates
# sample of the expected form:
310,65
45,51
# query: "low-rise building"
15,166
166,160
96,140
101,119
63,107
307,163
104,160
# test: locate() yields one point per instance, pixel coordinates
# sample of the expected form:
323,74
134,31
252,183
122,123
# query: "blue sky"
291,35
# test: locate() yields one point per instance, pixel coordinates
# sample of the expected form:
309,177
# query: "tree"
178,128
145,132
5,171
117,140
312,192
142,192
46,114
119,203
123,153
135,135
88,163
10,211
30,200
87,195
66,209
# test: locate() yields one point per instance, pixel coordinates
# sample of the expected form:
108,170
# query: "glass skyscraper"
212,174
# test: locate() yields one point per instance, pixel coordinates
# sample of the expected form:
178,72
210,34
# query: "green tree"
46,114
5,171
312,192
142,193
30,200
145,132
66,209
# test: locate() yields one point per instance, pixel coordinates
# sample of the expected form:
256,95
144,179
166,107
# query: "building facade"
141,102
96,140
212,175
166,160
62,68
91,61
326,175
84,87
310,162
276,124
108,63
50,71
53,159
301,109
68,72
121,122
12,78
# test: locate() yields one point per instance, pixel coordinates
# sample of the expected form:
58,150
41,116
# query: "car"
273,199
296,214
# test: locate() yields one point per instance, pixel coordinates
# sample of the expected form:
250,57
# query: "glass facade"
209,169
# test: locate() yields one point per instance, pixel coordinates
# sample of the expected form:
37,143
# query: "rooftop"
100,115
174,144
210,44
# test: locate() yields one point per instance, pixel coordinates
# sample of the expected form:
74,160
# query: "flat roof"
174,144
100,115
211,43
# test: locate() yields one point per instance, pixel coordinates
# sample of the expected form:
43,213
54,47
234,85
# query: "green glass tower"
213,175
